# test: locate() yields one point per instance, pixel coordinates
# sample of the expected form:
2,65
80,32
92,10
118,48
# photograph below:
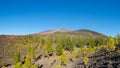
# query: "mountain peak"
51,31
64,30
81,32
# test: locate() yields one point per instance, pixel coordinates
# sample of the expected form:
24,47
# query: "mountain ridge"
82,32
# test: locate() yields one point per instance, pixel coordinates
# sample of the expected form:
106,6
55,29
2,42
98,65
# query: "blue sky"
33,16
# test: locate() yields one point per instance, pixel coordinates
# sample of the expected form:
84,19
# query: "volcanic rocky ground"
101,59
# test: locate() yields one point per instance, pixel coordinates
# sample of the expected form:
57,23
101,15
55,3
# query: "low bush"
86,60
64,59
18,65
27,63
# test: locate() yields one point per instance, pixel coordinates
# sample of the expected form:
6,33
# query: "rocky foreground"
101,59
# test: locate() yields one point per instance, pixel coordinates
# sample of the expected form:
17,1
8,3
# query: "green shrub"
27,63
18,65
69,45
86,60
59,50
33,66
82,52
74,54
85,51
3,64
48,46
16,56
117,38
64,58
31,51
111,44
59,66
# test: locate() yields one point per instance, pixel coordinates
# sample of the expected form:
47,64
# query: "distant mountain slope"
87,32
81,32
50,31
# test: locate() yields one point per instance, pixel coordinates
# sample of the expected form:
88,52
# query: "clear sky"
33,16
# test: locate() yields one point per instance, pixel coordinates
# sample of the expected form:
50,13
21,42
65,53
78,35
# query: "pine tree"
31,51
18,65
86,60
69,45
59,49
111,44
64,58
27,63
48,48
16,56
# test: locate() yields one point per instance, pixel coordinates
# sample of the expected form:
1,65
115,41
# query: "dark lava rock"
102,59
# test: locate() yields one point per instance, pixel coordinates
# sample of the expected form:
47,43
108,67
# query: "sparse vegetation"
18,65
64,59
86,60
111,44
33,66
59,49
16,56
3,64
74,54
65,46
27,63
58,66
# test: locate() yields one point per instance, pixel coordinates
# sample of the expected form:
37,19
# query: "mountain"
81,32
87,32
64,30
50,31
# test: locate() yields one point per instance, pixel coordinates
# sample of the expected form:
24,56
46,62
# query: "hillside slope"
80,32
11,43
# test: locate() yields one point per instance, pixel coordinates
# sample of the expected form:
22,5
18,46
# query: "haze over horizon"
21,17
